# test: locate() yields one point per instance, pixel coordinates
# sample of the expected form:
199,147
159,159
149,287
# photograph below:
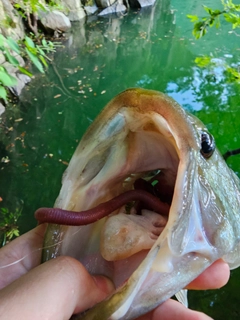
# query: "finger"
172,309
21,255
53,290
216,276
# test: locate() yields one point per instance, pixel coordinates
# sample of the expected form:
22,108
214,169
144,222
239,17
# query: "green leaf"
11,58
235,25
29,43
233,74
202,61
199,29
41,51
208,10
50,44
23,70
192,17
44,42
44,62
16,232
237,7
216,13
35,60
6,79
233,18
13,45
230,17
211,22
3,93
17,6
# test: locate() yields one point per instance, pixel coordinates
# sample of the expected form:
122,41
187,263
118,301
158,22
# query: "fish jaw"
141,131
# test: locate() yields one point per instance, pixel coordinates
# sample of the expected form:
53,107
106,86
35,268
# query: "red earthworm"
66,217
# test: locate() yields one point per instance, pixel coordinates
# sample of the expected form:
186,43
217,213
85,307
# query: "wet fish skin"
204,219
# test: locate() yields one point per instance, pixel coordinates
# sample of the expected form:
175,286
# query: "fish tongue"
123,235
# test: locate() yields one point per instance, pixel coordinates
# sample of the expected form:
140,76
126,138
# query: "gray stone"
56,20
146,3
74,10
77,15
10,68
19,58
22,80
115,8
105,3
16,31
91,9
42,14
2,109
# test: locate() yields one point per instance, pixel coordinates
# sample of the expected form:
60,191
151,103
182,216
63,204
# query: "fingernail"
104,284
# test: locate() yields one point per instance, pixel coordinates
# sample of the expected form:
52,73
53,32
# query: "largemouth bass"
182,209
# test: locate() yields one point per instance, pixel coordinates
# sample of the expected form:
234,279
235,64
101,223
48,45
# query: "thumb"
53,290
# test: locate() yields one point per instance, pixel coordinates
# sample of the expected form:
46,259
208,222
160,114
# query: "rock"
146,3
2,109
18,58
22,80
15,27
105,3
2,58
77,15
115,8
11,69
56,20
91,9
74,10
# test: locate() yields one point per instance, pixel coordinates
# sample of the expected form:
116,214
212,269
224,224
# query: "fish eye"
207,145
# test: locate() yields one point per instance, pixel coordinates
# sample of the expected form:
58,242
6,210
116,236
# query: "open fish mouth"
145,187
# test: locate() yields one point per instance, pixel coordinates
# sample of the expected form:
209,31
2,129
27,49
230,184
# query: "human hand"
62,286
53,290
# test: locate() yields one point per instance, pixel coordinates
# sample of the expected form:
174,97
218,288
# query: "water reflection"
151,48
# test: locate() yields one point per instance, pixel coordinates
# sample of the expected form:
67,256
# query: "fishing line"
36,250
21,259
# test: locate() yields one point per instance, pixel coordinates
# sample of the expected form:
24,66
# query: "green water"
151,48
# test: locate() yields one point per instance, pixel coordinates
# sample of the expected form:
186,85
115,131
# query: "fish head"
145,135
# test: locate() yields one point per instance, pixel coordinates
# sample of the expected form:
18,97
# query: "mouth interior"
128,234
135,227
151,165
143,156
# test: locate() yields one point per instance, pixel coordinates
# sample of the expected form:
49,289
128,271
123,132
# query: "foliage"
25,48
8,224
29,10
232,73
229,12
